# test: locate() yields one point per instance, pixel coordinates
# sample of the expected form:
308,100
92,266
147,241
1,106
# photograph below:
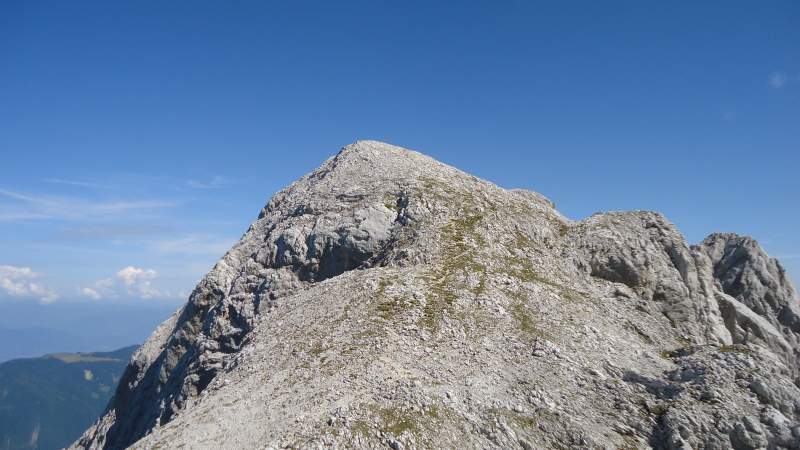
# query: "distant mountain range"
29,329
47,402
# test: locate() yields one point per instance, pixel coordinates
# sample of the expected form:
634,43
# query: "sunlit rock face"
387,299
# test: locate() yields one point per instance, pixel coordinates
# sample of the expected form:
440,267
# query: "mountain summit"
389,300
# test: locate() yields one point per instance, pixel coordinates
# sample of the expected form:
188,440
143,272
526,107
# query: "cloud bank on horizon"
21,282
130,282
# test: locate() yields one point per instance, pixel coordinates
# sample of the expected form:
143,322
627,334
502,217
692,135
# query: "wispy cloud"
130,281
778,80
19,282
28,207
92,293
84,184
215,183
20,216
113,231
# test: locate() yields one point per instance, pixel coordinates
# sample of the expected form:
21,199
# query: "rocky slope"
387,299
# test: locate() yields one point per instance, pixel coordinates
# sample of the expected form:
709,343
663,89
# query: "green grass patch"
398,420
523,270
524,320
390,307
316,349
735,349
460,243
391,203
666,354
361,428
562,228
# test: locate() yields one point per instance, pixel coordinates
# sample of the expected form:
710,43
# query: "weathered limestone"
387,299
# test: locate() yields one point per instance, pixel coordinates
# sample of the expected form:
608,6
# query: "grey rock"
387,299
755,280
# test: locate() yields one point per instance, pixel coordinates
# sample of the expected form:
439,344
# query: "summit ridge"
389,300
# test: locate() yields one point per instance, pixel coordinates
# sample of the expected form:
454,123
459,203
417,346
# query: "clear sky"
138,139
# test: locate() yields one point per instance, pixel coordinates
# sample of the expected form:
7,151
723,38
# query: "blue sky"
139,139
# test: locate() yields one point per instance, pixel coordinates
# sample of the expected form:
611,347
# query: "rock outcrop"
764,303
387,299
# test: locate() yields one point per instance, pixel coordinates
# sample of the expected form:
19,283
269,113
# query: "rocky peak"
387,299
745,272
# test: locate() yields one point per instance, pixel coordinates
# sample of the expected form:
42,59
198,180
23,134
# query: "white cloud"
108,231
130,281
83,184
16,216
101,289
19,282
778,80
92,293
215,183
134,275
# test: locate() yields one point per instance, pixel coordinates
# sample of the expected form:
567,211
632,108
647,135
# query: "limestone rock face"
389,300
645,252
759,283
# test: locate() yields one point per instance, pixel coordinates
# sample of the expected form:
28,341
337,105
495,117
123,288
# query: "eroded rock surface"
766,305
389,300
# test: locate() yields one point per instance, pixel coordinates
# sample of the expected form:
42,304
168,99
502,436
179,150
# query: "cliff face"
388,299
746,273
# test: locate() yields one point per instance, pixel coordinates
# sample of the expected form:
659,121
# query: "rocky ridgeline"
389,300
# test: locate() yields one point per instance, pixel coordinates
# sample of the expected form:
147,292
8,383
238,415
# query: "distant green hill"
46,403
